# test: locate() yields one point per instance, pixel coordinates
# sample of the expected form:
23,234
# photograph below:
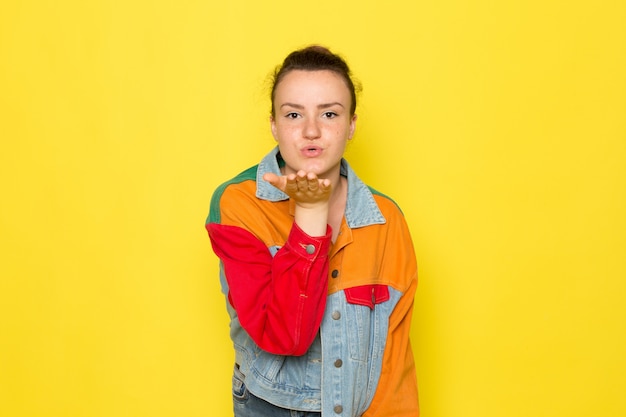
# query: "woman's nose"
311,129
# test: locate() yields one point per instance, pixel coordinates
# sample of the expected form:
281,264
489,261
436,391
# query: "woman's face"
312,121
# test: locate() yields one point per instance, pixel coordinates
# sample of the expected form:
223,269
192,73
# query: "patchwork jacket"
317,325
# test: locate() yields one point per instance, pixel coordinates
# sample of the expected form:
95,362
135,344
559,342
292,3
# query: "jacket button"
310,249
338,363
336,315
338,409
335,273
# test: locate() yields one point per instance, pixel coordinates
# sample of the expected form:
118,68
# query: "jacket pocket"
367,327
240,392
367,295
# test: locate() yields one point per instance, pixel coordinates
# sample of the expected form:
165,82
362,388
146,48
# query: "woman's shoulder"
385,203
233,192
244,176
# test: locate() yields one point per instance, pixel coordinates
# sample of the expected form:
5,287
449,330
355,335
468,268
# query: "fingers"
302,181
272,178
302,186
292,184
309,182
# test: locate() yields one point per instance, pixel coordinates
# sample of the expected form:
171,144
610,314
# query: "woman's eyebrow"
295,106
327,105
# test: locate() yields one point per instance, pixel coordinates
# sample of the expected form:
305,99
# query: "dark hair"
315,58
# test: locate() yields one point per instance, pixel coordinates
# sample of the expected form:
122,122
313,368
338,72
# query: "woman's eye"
330,114
292,115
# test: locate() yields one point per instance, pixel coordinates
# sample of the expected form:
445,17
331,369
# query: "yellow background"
498,126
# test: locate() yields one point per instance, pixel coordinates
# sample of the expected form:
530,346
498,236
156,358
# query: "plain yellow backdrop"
499,127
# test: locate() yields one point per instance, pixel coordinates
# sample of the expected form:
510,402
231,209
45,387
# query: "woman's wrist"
312,218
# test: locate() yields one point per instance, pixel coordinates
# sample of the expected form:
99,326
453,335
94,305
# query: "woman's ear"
352,126
273,127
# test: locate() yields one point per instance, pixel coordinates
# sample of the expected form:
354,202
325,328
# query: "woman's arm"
279,300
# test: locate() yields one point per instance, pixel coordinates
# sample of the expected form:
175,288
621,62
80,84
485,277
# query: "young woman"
318,269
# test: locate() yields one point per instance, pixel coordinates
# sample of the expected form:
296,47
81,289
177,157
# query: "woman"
318,269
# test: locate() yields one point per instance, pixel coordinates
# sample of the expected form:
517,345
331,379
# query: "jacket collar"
361,208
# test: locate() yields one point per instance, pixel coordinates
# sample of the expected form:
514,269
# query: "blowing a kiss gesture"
311,195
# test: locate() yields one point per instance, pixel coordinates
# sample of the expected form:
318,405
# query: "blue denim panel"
358,338
246,404
292,382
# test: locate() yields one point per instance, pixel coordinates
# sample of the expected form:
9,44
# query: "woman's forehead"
320,84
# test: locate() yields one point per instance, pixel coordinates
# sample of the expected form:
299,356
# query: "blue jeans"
247,405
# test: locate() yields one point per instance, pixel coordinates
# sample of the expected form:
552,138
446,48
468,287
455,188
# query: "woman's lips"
311,151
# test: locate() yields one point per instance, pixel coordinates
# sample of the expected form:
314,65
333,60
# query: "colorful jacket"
318,326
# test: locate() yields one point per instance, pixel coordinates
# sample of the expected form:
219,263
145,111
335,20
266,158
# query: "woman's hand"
311,196
304,188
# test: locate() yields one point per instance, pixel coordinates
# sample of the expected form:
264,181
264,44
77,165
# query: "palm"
304,188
